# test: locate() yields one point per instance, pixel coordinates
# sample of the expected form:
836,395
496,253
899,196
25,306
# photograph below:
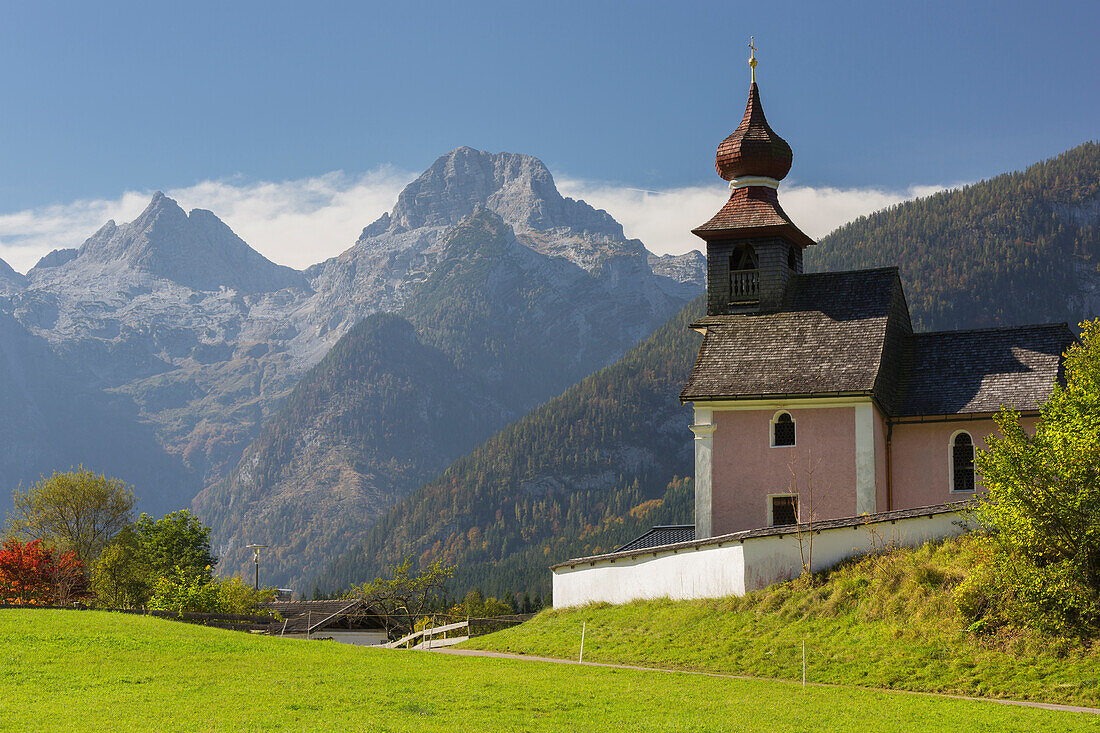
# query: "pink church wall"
921,460
746,469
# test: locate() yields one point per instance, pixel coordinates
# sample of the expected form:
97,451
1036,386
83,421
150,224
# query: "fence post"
309,623
584,625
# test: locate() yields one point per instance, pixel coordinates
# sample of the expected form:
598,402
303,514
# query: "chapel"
815,386
824,426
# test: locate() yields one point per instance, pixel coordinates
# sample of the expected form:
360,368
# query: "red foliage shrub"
31,574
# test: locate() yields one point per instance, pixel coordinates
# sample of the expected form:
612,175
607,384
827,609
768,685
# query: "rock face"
10,280
512,326
195,250
203,338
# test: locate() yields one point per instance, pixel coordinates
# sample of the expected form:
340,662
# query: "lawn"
883,621
72,670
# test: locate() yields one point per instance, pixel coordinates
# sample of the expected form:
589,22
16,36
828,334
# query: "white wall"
735,567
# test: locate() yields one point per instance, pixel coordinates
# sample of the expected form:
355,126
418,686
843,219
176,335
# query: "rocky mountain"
381,413
10,280
176,317
1020,248
516,326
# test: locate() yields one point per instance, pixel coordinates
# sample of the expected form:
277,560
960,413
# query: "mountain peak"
197,250
519,188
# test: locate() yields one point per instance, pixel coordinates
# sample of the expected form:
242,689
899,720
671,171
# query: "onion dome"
753,150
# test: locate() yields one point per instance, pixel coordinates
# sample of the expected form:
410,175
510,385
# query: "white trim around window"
951,462
768,514
771,430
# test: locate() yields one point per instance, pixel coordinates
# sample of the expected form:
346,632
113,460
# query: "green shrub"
186,592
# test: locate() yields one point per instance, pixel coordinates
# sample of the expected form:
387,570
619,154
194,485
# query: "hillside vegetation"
885,620
66,670
1019,248
584,473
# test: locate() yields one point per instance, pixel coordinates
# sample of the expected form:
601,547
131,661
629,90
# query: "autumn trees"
72,536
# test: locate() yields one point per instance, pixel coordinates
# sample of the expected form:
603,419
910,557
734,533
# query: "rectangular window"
784,510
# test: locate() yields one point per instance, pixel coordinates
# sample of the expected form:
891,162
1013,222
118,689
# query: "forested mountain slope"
583,473
1019,248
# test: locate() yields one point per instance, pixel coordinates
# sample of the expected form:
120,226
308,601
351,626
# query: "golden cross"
752,56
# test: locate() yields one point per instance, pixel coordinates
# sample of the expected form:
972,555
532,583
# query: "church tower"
753,247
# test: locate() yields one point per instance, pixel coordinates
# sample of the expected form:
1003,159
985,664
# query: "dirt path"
525,658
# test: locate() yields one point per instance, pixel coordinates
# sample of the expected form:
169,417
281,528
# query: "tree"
33,574
178,540
129,569
121,578
78,510
402,597
1043,503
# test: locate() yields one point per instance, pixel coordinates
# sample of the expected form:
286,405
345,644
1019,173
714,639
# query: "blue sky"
99,100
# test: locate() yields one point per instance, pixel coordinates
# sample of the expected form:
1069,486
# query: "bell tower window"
744,274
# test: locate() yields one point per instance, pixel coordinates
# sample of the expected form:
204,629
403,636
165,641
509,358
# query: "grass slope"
883,621
68,670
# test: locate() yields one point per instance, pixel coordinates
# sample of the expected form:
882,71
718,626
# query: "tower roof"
753,149
753,159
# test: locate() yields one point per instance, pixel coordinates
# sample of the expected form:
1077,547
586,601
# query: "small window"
782,430
784,510
792,259
962,463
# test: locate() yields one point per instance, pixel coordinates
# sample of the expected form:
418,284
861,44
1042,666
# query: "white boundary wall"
732,566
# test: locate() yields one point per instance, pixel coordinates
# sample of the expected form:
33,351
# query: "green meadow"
886,621
86,671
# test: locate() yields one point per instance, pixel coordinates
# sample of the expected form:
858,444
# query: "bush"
186,592
1043,505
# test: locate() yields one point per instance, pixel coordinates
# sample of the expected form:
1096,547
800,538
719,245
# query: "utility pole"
256,563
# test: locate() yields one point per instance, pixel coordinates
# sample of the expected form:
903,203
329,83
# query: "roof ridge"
993,329
889,268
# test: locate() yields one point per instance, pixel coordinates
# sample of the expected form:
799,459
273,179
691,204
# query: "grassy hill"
1019,248
881,621
90,671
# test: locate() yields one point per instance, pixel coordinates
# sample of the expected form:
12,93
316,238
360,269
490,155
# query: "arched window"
962,462
782,429
744,274
792,259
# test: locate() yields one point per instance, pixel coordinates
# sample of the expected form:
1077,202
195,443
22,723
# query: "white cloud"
663,220
304,221
296,223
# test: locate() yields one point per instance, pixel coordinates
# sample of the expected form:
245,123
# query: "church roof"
665,534
848,333
752,211
753,149
952,372
827,339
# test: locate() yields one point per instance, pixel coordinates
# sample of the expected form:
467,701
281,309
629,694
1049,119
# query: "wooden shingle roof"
848,333
827,339
952,372
665,534
752,211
